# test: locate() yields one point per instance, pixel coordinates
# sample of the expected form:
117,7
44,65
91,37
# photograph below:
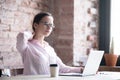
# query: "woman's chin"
46,35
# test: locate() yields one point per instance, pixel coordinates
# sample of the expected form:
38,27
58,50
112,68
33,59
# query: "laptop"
91,66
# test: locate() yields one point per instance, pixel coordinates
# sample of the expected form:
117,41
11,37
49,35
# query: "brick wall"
76,28
75,34
85,28
63,32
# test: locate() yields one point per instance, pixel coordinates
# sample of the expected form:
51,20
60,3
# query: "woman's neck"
39,38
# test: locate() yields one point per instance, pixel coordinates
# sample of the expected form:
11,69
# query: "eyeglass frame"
48,24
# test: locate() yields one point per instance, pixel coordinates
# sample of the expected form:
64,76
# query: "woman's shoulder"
46,43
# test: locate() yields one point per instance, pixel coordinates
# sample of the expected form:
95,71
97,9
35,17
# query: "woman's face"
45,26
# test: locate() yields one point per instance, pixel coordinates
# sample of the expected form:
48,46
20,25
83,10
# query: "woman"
36,53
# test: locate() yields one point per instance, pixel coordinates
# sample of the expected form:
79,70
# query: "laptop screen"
93,62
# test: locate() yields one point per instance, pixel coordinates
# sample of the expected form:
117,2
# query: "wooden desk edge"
109,68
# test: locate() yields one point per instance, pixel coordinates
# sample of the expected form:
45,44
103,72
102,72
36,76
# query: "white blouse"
37,59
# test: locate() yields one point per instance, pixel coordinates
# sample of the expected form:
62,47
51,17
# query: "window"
115,24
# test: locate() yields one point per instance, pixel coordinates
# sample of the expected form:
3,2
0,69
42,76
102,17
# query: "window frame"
104,26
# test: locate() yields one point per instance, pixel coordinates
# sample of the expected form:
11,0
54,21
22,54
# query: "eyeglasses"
48,24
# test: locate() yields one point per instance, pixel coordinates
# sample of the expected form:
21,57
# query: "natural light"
115,24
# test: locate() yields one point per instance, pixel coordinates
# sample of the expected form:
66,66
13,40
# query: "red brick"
25,3
7,41
65,2
12,7
5,48
64,43
38,1
12,35
66,10
91,37
34,5
10,1
7,21
12,59
3,35
4,27
66,56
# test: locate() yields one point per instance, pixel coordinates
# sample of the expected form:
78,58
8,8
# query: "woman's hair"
38,17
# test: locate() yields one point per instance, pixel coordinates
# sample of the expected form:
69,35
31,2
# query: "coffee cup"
54,70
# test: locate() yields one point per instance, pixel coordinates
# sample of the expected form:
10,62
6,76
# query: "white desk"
111,76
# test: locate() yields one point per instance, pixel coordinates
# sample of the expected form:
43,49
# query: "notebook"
91,66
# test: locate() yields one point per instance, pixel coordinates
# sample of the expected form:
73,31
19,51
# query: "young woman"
36,53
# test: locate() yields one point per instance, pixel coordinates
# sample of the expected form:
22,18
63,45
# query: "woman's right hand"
81,69
28,34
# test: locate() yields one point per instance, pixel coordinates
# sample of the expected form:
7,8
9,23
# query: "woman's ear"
35,25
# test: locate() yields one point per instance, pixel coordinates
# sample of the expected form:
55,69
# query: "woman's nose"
48,27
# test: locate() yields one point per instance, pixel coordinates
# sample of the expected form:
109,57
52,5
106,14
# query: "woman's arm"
22,40
65,69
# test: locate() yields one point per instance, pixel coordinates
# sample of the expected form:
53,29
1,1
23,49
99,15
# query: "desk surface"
111,76
109,68
19,70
